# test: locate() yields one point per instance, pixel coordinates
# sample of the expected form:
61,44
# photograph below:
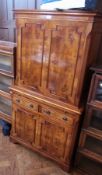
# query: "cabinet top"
63,12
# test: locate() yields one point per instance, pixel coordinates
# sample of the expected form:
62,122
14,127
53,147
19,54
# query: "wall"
7,31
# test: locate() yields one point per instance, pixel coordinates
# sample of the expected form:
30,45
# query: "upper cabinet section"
54,51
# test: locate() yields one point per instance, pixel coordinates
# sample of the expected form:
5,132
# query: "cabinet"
53,67
55,50
43,128
90,144
7,60
58,53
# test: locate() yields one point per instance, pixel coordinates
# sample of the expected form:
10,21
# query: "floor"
17,160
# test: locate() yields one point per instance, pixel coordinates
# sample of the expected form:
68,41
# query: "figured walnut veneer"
54,52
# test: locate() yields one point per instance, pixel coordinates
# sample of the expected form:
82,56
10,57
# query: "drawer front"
91,143
56,114
25,102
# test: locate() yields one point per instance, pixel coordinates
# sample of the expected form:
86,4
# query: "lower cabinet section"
41,133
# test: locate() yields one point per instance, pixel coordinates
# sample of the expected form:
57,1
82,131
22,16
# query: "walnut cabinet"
54,52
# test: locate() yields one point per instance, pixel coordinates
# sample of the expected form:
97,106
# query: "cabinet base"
65,167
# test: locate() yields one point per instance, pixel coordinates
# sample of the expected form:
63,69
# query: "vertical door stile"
19,54
38,132
46,58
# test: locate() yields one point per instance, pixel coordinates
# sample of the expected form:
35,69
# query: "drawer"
58,115
25,102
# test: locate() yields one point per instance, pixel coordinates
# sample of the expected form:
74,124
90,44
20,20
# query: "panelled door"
55,139
50,56
24,125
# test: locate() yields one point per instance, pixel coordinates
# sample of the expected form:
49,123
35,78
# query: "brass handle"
34,117
65,118
47,112
47,123
18,100
31,106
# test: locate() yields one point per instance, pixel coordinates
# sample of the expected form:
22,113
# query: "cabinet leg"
66,168
13,141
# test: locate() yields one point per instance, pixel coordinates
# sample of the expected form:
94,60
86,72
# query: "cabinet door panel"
31,56
62,61
54,139
63,50
24,126
50,55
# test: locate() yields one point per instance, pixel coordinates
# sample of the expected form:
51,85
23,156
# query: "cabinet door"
24,125
55,139
63,52
51,56
31,56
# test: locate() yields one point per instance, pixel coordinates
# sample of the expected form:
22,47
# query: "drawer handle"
34,117
47,112
31,106
47,123
18,100
65,118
